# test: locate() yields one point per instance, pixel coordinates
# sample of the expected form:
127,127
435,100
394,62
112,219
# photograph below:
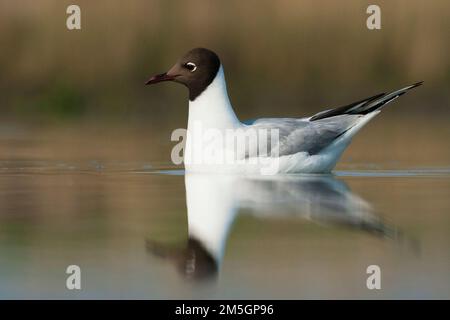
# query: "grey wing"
313,134
302,135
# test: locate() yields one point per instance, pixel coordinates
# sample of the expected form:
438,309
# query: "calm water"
138,231
104,198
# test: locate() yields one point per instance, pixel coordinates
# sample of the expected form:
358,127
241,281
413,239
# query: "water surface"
144,231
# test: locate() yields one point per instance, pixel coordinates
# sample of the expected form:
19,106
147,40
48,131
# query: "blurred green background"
280,57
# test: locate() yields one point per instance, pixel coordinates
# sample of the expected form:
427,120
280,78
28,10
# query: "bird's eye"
190,66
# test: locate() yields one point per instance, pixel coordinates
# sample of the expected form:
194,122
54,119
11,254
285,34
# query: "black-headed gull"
302,145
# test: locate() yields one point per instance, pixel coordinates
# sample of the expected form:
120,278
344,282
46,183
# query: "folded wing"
313,134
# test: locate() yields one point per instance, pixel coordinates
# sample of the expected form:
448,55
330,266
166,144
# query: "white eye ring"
190,65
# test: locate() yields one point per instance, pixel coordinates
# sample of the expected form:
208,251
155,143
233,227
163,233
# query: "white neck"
212,108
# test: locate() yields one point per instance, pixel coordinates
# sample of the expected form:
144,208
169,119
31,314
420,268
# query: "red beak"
159,78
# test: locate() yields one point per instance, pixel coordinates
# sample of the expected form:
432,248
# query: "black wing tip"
416,84
344,109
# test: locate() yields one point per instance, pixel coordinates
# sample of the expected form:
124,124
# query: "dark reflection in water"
213,202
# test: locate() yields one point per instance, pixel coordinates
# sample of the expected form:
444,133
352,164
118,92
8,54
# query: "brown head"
196,70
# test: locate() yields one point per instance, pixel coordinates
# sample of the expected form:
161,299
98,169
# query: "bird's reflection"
214,200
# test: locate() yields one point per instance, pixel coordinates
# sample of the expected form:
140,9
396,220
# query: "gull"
301,145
